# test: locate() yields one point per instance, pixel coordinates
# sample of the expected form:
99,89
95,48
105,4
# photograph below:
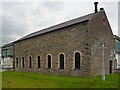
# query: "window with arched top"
23,61
49,61
16,62
77,60
38,61
61,58
30,62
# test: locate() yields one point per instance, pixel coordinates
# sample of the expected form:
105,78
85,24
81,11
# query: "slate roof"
7,45
117,37
58,26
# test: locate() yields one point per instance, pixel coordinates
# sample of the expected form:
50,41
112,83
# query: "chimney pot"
101,9
96,10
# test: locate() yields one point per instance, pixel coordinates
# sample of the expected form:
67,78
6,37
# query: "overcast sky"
21,18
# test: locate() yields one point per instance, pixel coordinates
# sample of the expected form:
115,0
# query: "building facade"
117,50
70,48
7,56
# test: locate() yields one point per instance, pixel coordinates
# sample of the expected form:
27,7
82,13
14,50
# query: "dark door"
110,67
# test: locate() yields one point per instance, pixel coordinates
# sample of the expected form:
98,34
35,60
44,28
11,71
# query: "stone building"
70,48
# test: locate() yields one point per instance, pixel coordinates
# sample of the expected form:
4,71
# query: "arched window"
77,60
16,62
22,61
30,64
49,62
38,61
61,61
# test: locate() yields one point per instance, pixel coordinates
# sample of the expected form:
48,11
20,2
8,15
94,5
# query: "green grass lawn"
36,80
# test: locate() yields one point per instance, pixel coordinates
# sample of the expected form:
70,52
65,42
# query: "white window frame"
47,61
74,59
59,60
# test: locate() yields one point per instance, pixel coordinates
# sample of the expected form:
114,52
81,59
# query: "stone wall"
101,32
84,38
67,40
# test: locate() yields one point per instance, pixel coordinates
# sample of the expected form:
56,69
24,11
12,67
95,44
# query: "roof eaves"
117,37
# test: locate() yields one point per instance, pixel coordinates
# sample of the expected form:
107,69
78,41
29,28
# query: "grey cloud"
119,18
11,29
0,23
21,18
13,24
53,5
112,14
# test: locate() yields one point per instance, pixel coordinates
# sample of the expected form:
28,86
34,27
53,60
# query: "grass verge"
34,80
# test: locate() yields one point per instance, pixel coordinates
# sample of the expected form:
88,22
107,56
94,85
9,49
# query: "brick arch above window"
30,62
61,60
16,62
49,61
22,62
77,57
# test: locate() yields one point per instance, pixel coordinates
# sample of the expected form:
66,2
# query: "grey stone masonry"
83,37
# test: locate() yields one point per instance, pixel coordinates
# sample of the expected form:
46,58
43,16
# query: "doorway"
110,67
